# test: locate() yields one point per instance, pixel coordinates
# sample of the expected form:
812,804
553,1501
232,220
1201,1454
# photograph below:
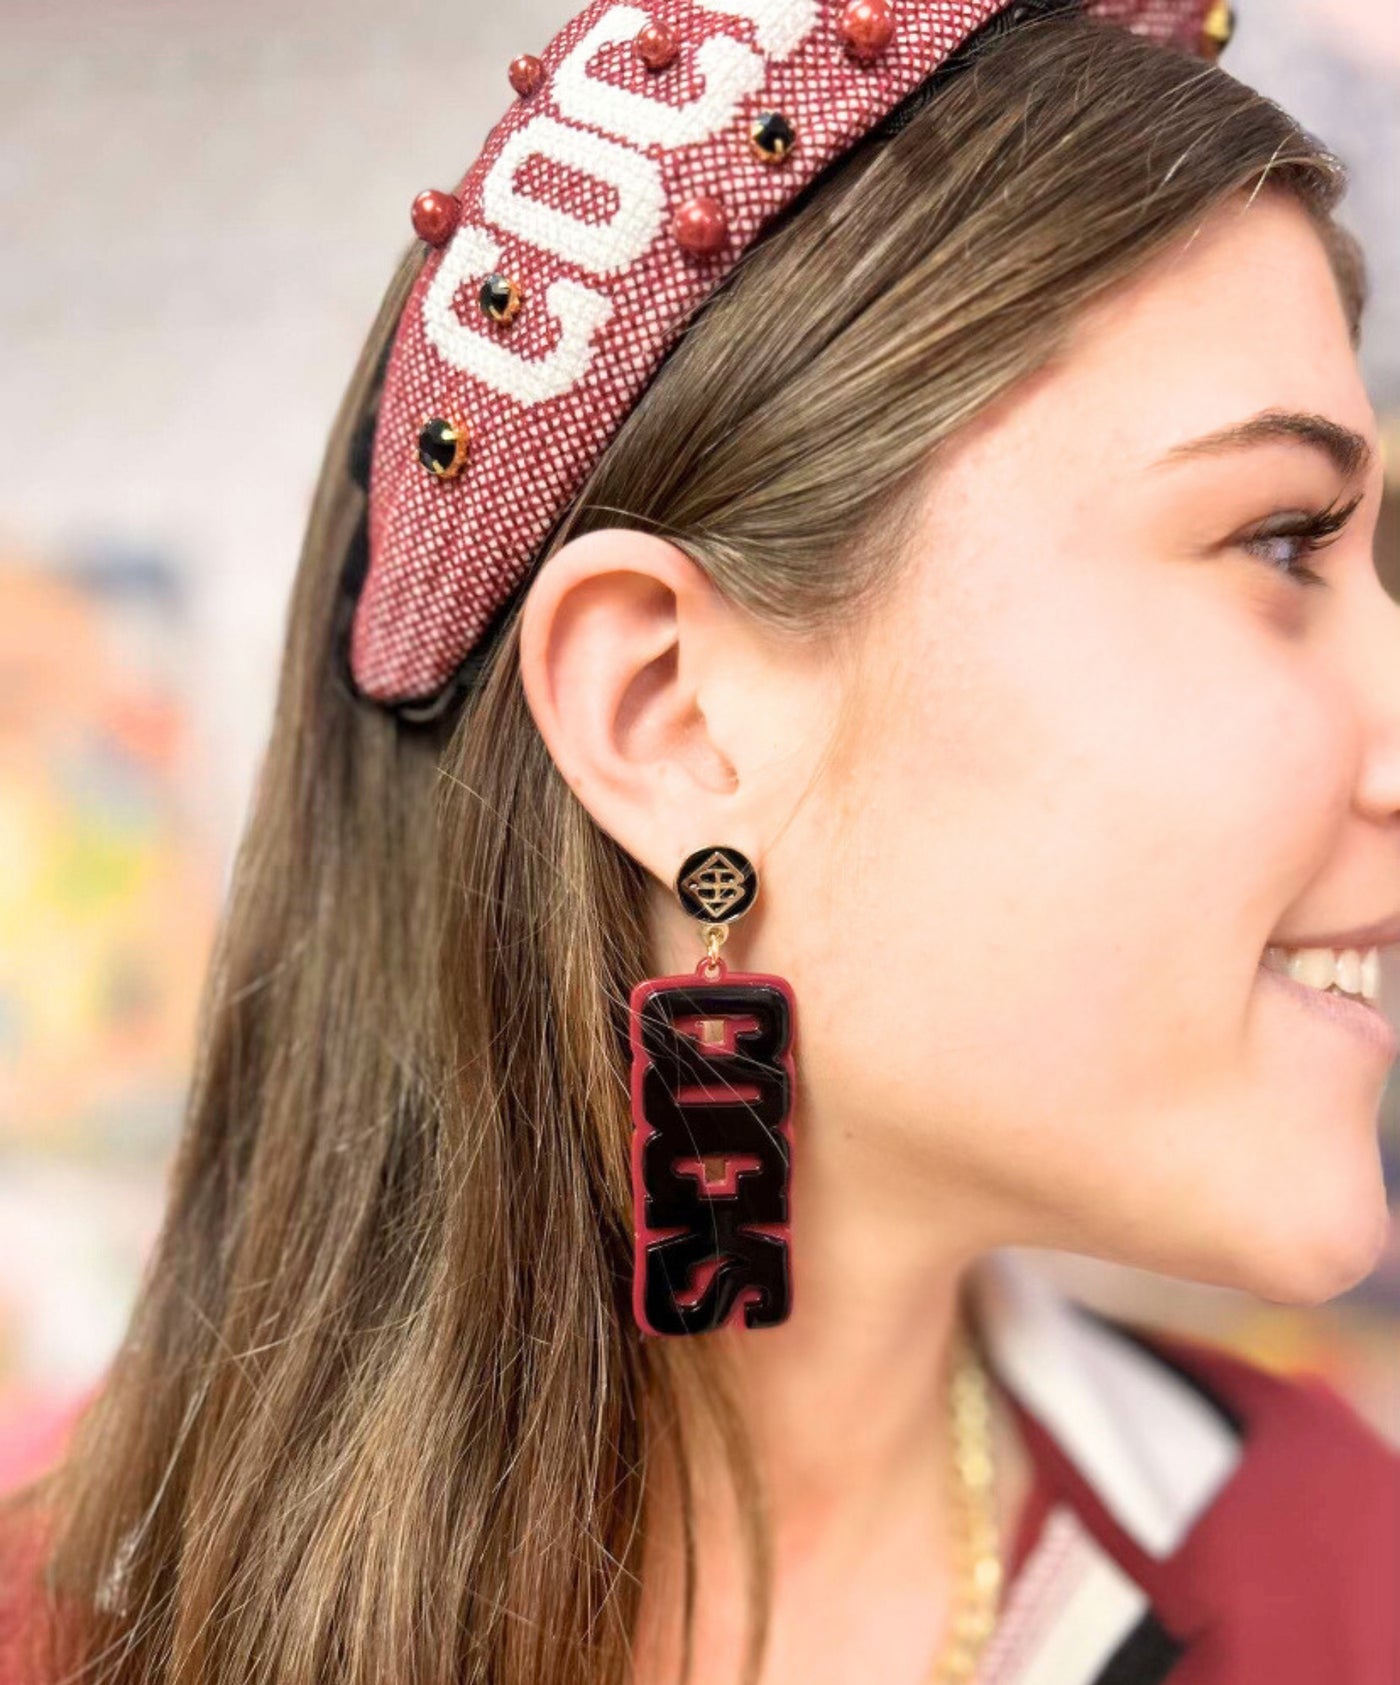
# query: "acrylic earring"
712,1090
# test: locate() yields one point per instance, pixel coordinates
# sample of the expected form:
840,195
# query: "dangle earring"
712,1092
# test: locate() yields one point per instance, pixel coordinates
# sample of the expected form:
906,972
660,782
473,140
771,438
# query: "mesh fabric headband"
645,150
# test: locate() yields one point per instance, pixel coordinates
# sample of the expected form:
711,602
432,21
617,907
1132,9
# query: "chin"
1320,1261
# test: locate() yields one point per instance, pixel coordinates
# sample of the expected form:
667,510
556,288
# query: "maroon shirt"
1215,1524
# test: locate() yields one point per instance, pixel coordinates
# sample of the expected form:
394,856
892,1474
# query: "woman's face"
1024,837
1102,751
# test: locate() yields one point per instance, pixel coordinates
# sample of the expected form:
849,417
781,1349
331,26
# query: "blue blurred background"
202,206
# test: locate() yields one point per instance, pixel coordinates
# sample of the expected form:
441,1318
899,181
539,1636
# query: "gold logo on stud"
716,883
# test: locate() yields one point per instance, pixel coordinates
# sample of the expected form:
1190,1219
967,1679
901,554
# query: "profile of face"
1024,836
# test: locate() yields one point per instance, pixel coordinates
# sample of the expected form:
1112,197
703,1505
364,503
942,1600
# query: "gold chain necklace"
977,1553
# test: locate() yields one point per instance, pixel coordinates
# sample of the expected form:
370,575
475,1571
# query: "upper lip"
1378,935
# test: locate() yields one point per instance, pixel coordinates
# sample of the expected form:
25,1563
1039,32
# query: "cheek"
1059,857
1169,775
1296,739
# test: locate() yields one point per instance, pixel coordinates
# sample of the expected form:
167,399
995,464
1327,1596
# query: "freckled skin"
1094,754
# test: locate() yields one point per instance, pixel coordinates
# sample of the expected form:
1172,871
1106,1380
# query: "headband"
644,152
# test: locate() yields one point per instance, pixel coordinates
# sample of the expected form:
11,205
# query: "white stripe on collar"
1068,1612
1152,1449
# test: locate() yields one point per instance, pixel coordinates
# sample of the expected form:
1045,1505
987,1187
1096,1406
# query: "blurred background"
202,206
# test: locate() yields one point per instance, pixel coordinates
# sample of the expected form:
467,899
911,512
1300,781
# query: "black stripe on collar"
1145,1657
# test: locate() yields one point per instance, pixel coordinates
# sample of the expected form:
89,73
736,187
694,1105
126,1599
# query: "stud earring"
712,1091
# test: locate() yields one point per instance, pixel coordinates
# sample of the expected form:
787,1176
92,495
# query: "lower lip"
1363,1020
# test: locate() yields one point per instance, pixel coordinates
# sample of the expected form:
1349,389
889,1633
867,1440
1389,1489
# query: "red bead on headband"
644,152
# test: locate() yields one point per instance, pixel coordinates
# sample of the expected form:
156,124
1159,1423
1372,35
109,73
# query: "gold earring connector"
716,885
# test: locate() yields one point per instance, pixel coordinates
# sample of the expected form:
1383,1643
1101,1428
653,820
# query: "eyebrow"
1347,451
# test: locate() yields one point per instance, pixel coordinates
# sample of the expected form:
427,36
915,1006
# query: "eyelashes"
1311,532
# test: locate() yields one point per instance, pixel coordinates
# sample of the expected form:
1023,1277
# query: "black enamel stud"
716,884
500,298
771,136
442,446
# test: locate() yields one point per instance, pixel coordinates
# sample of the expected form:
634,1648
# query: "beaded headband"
645,151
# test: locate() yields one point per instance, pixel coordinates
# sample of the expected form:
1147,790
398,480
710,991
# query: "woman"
949,561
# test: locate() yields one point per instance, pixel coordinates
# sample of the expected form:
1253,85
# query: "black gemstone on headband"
499,298
771,136
442,447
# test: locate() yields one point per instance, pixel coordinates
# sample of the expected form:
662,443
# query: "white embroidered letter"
780,26
469,258
731,70
603,247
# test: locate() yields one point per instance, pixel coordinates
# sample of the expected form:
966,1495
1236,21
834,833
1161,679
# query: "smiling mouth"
1353,973
1354,1012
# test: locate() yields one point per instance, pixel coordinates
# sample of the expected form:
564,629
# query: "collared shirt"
1193,1517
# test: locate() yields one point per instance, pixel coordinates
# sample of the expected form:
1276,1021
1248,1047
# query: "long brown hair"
381,1411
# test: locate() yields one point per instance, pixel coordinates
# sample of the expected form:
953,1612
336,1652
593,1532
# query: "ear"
618,632
660,703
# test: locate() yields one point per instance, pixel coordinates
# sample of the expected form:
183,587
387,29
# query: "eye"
1268,548
1298,535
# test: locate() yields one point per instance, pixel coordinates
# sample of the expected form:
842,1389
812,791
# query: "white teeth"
1317,967
1347,970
